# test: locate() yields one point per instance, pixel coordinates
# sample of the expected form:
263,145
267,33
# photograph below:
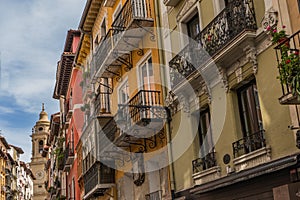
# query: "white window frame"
122,84
182,22
141,62
117,11
219,5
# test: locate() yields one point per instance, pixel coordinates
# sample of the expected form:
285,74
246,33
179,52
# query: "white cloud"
6,110
32,38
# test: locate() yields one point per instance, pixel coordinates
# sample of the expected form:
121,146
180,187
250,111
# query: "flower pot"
285,41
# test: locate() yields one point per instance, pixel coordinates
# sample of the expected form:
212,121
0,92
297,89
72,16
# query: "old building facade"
124,131
238,129
39,137
178,100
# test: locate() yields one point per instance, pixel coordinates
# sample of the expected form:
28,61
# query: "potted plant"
289,70
277,36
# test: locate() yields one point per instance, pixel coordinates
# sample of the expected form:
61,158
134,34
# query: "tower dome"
43,115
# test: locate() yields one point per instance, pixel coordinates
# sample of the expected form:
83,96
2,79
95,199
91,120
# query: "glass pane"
250,113
193,27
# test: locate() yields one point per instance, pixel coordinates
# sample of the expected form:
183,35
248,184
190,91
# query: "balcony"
250,151
205,169
121,39
69,156
98,179
102,108
287,53
143,114
69,109
235,23
86,85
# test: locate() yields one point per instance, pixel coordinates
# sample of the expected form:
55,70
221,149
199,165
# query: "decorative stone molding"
270,19
184,103
223,76
239,74
252,159
207,175
171,101
185,9
252,58
205,90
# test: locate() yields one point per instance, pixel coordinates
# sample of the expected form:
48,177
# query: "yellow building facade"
2,180
124,140
231,116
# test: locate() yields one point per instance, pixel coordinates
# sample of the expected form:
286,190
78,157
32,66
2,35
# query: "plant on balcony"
62,197
277,36
59,152
51,190
81,84
289,69
85,107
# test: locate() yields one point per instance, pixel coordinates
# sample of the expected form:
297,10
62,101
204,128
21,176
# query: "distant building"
39,136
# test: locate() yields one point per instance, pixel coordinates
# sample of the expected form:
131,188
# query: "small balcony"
121,39
102,108
205,169
250,151
98,179
287,53
236,22
69,156
143,114
69,109
86,85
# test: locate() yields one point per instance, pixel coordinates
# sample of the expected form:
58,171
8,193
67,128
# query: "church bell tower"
39,136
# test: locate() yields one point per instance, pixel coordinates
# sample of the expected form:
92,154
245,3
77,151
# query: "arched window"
41,146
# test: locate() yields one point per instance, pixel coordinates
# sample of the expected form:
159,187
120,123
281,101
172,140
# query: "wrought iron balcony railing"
201,164
249,144
102,51
98,178
236,17
69,108
145,107
132,9
133,12
102,103
287,53
69,153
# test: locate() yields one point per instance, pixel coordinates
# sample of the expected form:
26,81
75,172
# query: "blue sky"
32,37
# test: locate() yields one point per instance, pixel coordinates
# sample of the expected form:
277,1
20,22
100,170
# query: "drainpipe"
165,93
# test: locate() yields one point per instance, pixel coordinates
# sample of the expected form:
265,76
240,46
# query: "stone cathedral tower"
39,136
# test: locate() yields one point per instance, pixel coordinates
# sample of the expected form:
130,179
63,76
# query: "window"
117,11
249,107
204,124
193,27
103,29
73,189
146,78
124,92
41,146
